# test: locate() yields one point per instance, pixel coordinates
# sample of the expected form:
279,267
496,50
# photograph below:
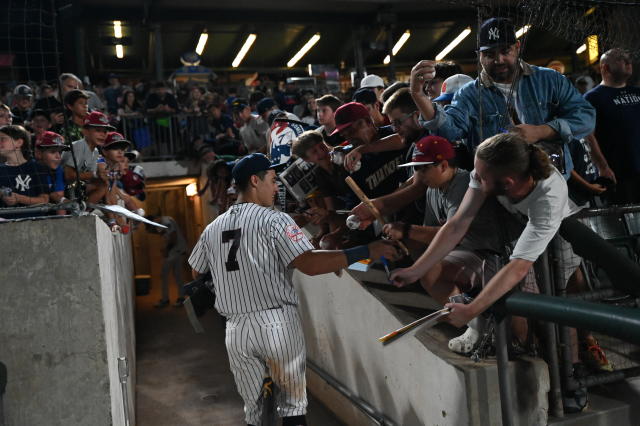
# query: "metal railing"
164,137
616,325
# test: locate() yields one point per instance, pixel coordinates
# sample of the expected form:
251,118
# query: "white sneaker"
465,343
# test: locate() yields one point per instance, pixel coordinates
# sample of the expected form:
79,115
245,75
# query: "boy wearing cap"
464,268
133,176
537,103
96,126
75,102
251,250
374,83
20,178
449,87
369,99
23,101
49,149
378,150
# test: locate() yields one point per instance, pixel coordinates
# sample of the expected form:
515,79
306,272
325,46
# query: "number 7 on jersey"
234,235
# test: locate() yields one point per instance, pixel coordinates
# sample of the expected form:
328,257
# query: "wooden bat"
431,319
374,210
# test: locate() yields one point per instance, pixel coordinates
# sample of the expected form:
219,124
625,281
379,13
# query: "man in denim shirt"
537,103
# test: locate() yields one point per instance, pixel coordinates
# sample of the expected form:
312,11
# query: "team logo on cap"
116,137
494,33
58,140
103,119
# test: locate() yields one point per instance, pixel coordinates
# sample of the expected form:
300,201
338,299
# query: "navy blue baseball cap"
496,32
264,105
250,165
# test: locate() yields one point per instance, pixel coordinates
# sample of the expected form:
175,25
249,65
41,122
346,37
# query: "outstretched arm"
445,240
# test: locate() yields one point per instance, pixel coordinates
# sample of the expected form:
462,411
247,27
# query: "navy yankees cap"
251,165
495,32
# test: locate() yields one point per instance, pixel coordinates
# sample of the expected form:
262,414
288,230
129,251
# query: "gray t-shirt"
492,229
86,159
544,209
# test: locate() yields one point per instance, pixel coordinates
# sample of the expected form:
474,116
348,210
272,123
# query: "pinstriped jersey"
248,250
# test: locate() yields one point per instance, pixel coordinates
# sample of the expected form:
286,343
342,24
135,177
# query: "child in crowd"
20,181
49,149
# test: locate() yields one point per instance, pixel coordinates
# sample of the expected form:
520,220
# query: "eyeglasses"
399,122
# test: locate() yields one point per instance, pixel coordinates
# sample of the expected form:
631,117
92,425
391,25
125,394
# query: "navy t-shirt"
379,174
26,179
618,126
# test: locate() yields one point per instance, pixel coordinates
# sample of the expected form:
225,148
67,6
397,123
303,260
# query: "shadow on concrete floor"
183,378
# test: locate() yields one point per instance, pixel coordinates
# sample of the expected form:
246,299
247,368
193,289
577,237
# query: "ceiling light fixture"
202,42
396,48
453,44
522,31
243,50
312,41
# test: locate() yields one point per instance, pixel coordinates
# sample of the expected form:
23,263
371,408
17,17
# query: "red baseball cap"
97,119
51,140
114,140
430,150
348,114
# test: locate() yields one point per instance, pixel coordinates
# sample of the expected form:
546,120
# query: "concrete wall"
408,383
66,315
414,381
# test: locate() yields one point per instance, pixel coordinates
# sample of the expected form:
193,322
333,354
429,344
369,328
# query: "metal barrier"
614,323
164,137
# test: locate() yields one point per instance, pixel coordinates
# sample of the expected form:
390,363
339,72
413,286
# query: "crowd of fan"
408,146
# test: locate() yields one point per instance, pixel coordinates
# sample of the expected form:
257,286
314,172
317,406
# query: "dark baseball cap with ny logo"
496,32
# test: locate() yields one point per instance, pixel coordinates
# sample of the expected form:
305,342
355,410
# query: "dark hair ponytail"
509,154
539,163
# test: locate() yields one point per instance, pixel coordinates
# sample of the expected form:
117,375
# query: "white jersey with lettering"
248,250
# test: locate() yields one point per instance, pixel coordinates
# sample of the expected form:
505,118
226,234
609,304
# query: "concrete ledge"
414,381
66,316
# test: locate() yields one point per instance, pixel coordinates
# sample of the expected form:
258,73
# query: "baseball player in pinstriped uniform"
251,251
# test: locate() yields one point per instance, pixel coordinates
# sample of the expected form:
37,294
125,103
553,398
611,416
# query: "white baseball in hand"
353,222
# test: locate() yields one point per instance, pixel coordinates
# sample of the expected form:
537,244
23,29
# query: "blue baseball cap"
250,165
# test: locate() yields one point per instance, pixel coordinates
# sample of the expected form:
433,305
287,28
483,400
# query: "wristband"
355,254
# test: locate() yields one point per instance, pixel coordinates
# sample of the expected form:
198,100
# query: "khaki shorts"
477,268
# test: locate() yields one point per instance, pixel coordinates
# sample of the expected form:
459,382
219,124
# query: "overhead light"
590,11
522,31
313,40
592,48
396,48
192,189
453,44
117,29
243,50
119,51
581,49
202,42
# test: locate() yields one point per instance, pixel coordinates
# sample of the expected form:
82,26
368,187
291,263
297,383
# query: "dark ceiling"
282,28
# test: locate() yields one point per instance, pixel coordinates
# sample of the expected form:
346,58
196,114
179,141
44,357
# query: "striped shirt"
248,250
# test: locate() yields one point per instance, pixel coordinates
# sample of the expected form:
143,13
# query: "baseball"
353,222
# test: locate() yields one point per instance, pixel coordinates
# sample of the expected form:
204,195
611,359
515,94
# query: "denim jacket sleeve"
453,122
574,116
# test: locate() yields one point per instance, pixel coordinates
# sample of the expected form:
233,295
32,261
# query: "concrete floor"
183,378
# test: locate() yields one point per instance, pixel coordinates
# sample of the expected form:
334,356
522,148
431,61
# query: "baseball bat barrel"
402,330
374,210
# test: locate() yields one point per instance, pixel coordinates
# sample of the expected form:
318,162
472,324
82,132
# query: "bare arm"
506,279
390,203
25,200
389,143
422,72
445,240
